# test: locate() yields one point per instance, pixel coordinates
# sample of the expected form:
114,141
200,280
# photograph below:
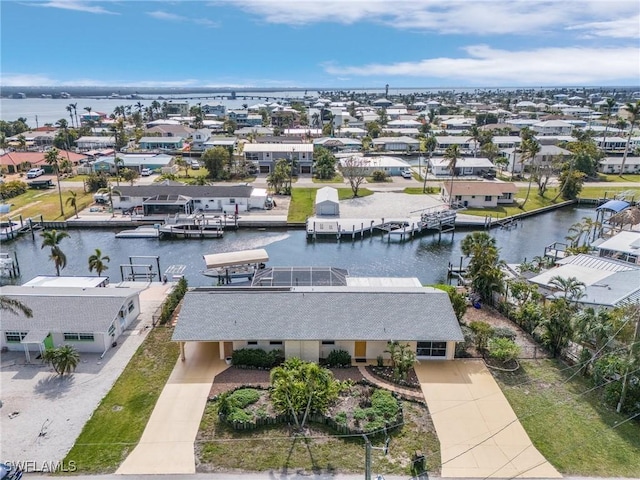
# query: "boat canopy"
243,257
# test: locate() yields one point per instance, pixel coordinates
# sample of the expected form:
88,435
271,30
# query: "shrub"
255,357
243,397
380,361
338,358
12,189
379,176
384,404
173,300
504,332
359,414
483,332
341,418
458,300
95,182
503,349
239,415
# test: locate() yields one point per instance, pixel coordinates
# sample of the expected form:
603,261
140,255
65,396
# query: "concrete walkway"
166,446
480,435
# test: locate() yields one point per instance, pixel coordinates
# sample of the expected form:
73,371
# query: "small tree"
402,359
98,262
63,359
216,160
483,332
129,175
73,201
354,169
503,349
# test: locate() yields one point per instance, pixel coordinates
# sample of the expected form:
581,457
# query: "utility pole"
367,453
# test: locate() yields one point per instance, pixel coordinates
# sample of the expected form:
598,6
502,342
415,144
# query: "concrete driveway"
480,435
166,446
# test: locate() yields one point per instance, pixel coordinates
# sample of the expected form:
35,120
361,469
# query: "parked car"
195,165
10,472
35,172
406,174
145,172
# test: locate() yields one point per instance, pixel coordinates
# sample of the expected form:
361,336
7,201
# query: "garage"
327,203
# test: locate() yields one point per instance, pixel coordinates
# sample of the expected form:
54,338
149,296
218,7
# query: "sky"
338,44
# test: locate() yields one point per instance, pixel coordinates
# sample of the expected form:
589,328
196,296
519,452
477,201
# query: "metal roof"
614,205
300,276
314,313
599,263
198,191
217,260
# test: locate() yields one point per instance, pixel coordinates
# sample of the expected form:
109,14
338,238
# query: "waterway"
423,257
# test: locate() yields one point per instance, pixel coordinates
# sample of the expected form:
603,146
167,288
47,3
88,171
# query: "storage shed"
327,202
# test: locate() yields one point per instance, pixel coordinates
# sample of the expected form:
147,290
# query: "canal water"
422,257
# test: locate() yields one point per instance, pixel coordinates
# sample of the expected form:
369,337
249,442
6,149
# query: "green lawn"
117,424
617,178
430,190
274,448
607,191
571,429
34,203
303,201
533,203
336,179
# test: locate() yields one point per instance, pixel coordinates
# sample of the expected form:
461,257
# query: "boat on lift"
230,266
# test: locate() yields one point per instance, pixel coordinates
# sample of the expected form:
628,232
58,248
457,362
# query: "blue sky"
329,44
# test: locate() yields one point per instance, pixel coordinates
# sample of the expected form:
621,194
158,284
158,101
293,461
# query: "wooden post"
182,354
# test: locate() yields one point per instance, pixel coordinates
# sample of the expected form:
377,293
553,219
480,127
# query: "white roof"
327,194
217,260
381,162
383,282
278,147
464,162
586,275
553,123
627,242
51,281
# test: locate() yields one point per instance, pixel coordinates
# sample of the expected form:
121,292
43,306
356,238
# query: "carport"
480,435
34,337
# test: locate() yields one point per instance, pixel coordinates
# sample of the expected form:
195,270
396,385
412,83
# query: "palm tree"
53,158
51,238
476,136
634,114
75,113
118,162
611,102
70,110
571,287
14,306
452,153
430,143
530,148
73,201
63,359
97,262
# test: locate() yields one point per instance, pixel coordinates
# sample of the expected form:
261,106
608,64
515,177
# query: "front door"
361,350
48,342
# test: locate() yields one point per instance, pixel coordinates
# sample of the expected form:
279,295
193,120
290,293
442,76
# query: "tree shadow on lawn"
54,386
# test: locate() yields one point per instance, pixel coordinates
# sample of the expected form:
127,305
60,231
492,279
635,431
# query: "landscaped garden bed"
386,374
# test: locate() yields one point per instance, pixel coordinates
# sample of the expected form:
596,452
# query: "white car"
195,165
406,174
35,172
145,172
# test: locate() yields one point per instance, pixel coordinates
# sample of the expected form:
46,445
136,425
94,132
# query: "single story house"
392,166
310,322
95,143
623,246
479,194
15,162
327,201
615,144
465,166
170,199
254,131
339,144
157,143
396,144
614,165
546,155
134,161
226,142
265,155
60,317
466,144
171,130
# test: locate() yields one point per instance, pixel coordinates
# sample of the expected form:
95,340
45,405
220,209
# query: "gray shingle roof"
340,314
197,191
61,310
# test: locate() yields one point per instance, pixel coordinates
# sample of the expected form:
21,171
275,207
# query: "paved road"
271,475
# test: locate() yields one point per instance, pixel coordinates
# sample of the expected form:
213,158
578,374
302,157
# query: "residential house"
60,316
229,143
265,155
199,138
614,144
392,166
173,198
93,143
458,124
15,162
176,108
465,166
612,165
244,119
255,131
552,127
547,155
339,144
134,161
170,130
310,322
623,246
476,194
217,111
466,145
161,143
396,144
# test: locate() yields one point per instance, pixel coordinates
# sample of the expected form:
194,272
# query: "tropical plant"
571,287
130,175
325,163
64,359
98,262
402,359
482,333
529,150
503,349
452,153
634,113
53,158
14,306
73,201
216,160
52,238
557,326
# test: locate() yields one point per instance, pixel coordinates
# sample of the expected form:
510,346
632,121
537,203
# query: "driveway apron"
167,443
480,435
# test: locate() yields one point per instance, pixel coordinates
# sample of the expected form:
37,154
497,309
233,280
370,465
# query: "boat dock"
435,219
16,225
199,225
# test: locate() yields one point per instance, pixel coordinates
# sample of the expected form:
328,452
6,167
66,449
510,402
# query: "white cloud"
26,80
483,65
76,5
480,17
172,17
620,28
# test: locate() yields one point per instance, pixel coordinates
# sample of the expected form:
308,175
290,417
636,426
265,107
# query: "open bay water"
423,257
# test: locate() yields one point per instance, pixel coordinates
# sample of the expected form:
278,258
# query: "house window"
252,342
328,342
432,349
124,199
112,330
14,337
131,306
78,337
275,342
487,198
232,201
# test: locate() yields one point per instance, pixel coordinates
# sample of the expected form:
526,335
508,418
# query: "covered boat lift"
232,265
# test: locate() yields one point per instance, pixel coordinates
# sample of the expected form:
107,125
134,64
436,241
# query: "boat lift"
140,271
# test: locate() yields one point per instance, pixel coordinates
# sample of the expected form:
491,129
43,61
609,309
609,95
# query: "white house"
91,143
89,318
552,127
265,155
546,155
464,166
327,202
614,165
479,194
392,166
396,144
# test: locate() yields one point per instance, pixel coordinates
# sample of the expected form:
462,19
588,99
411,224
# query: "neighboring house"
179,130
614,165
265,155
226,142
14,161
327,202
303,132
339,144
506,141
392,166
623,246
396,144
458,124
134,161
552,127
253,131
218,111
615,144
465,166
466,144
200,138
244,119
158,143
547,155
176,108
60,317
310,322
42,137
479,194
159,199
93,143
608,283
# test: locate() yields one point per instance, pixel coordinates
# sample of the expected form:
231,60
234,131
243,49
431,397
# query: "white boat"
140,232
9,229
194,226
235,265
